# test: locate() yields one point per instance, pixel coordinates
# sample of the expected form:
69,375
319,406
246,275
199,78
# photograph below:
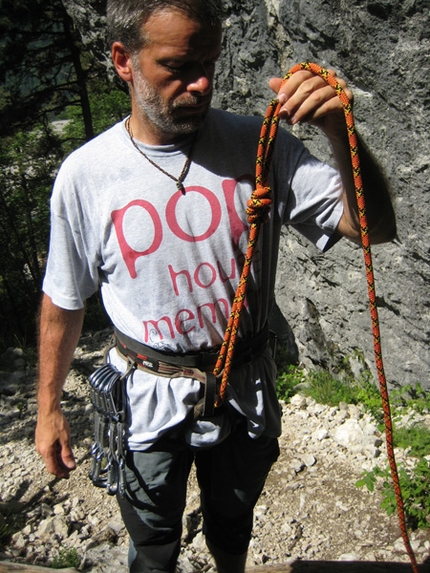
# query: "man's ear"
122,61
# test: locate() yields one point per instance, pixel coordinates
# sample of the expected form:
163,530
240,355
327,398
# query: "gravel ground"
310,509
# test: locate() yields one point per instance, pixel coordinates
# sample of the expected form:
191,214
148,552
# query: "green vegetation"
66,558
414,479
411,397
327,388
46,74
415,487
27,162
288,381
107,105
415,439
43,66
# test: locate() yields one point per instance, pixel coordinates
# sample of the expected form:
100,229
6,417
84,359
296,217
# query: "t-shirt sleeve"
71,274
313,199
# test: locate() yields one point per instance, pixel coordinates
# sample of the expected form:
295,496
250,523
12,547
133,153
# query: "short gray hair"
125,18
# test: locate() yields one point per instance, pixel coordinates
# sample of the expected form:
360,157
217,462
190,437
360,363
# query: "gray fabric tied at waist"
196,365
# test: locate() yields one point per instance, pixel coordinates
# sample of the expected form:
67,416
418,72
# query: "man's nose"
201,81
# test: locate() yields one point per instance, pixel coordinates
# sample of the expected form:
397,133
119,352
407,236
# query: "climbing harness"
258,207
196,365
109,397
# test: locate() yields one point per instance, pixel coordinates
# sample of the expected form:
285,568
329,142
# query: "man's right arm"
59,332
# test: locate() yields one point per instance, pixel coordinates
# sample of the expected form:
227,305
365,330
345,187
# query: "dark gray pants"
231,476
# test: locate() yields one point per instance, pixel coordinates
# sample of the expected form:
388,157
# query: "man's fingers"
275,84
320,103
307,97
53,444
67,457
59,460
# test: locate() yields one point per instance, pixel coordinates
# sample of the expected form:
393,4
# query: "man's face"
173,76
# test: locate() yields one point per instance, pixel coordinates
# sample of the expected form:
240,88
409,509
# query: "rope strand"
365,241
258,209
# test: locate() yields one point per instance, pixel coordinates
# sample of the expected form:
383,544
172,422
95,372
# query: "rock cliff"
382,49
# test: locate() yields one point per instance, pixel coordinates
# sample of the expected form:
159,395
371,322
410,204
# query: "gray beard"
162,116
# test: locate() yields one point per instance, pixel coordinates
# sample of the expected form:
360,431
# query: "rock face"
381,47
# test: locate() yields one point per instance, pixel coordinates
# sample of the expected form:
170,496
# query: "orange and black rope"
258,208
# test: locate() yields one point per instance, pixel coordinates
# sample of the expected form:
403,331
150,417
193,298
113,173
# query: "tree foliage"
46,74
27,163
108,105
41,64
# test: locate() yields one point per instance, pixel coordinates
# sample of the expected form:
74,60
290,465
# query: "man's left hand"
307,97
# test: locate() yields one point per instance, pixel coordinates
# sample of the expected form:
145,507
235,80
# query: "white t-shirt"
168,264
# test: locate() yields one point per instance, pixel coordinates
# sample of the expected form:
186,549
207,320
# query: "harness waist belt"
151,359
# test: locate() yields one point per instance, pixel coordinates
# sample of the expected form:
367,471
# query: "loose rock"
309,510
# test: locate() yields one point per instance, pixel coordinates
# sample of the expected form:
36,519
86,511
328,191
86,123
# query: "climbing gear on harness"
155,360
196,365
257,211
178,180
108,397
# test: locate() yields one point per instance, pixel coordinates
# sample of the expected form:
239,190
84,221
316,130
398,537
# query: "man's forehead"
173,27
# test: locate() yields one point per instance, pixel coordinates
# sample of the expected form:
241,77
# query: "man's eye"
180,68
174,68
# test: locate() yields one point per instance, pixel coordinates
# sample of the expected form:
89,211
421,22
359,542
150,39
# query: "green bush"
325,388
415,487
415,439
66,558
287,382
414,481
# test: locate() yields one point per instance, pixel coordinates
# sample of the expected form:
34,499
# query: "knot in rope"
259,205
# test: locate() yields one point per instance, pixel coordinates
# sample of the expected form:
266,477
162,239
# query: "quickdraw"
107,393
258,207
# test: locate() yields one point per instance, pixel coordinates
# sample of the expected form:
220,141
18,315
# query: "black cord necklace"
179,181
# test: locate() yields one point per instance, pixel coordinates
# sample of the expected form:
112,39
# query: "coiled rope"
257,211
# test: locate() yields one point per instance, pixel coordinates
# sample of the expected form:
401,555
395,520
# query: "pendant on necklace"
179,182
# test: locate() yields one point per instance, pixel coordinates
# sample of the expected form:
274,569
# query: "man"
153,212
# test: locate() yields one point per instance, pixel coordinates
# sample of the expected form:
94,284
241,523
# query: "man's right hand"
59,333
53,443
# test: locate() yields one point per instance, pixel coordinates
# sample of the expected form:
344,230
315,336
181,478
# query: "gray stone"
52,527
321,434
309,460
